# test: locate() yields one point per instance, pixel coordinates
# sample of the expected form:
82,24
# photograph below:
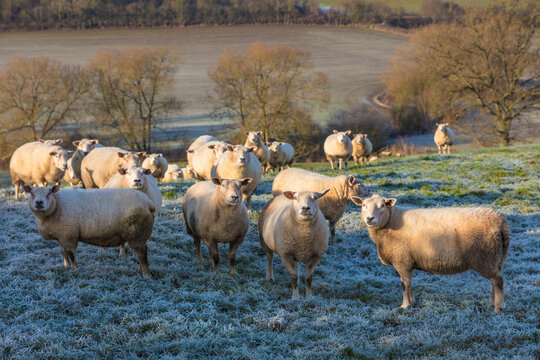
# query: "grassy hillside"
106,310
416,5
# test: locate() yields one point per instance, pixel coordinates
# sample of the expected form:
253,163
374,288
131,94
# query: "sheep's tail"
505,235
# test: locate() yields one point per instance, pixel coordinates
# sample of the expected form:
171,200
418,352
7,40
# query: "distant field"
105,310
416,5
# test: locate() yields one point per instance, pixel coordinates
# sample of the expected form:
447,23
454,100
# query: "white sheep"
261,151
362,148
338,146
157,163
281,155
342,189
37,163
201,140
83,147
438,240
70,175
215,213
239,163
51,141
444,138
204,157
176,173
292,226
103,163
101,217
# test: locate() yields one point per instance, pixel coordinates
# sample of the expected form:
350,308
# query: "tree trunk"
503,129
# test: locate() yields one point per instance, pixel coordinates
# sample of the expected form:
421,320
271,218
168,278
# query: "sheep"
362,148
83,147
342,189
187,172
201,140
157,163
103,163
338,146
281,155
70,175
102,217
37,163
444,138
438,240
292,226
204,157
239,163
254,140
51,142
214,212
176,173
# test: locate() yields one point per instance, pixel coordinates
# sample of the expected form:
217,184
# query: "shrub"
409,120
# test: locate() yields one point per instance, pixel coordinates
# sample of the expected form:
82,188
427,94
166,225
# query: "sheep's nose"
39,203
234,197
370,218
305,208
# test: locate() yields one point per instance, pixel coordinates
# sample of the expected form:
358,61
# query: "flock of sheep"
121,200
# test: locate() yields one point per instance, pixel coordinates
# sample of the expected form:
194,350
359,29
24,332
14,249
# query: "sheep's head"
60,157
136,176
231,190
442,127
275,146
375,210
85,145
360,138
187,172
70,171
342,136
240,154
254,136
355,186
129,159
219,147
153,159
305,203
51,142
41,199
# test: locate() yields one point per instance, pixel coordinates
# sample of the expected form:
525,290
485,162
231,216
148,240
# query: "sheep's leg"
232,254
332,232
440,148
406,277
292,267
122,252
310,266
142,253
197,242
497,282
71,256
65,255
17,186
269,258
346,164
248,203
492,297
340,163
448,149
329,158
214,254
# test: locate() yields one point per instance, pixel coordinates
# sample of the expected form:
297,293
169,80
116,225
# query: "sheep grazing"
362,148
157,163
444,138
103,163
176,173
338,146
292,226
201,140
204,157
239,163
37,163
83,147
51,142
438,240
261,151
281,155
214,212
70,175
102,217
342,189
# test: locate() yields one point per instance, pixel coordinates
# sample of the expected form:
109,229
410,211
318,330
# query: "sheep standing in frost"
101,217
200,141
444,138
239,163
342,189
438,240
157,164
281,155
83,148
261,151
103,163
176,173
292,226
338,146
362,148
204,157
37,163
215,213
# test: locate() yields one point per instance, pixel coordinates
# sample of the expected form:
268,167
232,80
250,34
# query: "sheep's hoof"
295,294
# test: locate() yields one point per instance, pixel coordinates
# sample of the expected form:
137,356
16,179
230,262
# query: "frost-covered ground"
106,310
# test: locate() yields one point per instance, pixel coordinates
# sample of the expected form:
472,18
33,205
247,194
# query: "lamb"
37,163
102,217
70,175
214,212
338,146
176,173
83,147
157,163
51,142
362,148
239,163
204,157
254,140
201,140
103,163
444,138
281,155
438,240
292,226
342,189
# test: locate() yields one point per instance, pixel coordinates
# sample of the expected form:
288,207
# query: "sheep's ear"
335,131
230,147
55,188
122,171
95,141
52,153
160,155
351,179
390,202
289,195
246,132
358,201
147,171
41,140
141,154
75,143
121,154
436,124
58,141
251,149
27,188
447,124
216,181
320,194
192,151
348,132
246,181
259,133
280,143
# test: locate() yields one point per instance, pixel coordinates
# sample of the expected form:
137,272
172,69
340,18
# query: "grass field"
416,5
106,310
